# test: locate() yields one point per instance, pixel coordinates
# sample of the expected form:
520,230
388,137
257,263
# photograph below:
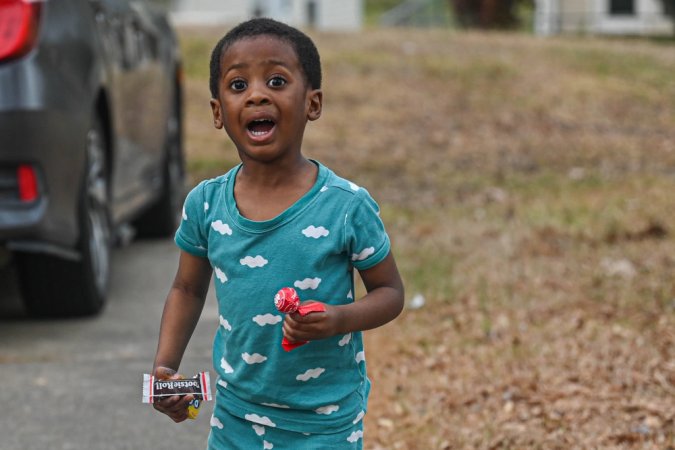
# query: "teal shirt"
313,247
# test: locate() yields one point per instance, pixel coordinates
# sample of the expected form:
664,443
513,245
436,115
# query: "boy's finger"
172,403
180,416
164,373
182,402
309,318
168,402
294,334
174,409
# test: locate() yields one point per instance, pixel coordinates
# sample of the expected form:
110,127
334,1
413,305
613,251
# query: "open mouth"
260,127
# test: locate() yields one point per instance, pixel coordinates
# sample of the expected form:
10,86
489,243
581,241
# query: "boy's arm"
382,303
182,309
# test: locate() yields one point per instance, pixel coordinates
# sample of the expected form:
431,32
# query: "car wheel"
56,287
161,219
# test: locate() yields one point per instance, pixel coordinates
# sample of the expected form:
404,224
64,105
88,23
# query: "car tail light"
19,21
27,182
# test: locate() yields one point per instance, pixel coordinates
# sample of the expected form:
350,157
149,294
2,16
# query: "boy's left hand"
313,326
176,406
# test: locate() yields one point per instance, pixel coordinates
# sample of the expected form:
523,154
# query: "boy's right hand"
176,406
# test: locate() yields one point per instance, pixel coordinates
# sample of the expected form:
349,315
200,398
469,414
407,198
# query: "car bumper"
53,144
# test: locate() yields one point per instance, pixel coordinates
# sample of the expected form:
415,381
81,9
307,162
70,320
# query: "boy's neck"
262,192
276,175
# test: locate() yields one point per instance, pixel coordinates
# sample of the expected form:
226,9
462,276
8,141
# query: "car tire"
55,287
162,218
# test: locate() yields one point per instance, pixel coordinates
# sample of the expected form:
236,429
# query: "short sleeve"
366,239
190,236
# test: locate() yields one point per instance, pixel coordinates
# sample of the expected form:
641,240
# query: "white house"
629,17
343,15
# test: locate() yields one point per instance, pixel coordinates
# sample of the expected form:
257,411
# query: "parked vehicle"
90,140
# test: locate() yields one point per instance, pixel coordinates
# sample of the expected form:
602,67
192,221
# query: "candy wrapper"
199,386
287,301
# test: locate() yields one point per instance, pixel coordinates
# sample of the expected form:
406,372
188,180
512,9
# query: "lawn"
528,188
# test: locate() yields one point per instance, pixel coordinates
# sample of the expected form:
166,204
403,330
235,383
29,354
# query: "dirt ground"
527,185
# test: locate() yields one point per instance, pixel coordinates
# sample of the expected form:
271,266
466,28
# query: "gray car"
90,141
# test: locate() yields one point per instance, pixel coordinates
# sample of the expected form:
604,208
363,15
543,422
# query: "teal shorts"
229,432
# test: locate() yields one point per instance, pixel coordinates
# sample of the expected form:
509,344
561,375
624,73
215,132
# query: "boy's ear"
314,100
217,113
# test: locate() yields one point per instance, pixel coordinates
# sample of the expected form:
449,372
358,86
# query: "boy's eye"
238,85
276,82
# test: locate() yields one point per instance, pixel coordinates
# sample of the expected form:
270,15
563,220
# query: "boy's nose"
257,94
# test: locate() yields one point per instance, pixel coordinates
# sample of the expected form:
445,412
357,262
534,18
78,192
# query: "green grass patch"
469,73
203,168
599,208
196,53
602,63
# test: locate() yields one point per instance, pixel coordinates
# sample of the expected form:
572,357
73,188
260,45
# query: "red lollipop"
287,301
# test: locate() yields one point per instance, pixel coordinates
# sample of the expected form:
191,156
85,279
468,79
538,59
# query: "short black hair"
308,55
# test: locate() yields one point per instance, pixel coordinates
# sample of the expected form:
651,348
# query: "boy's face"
264,101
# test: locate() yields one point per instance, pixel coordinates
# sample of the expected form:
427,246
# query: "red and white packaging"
154,389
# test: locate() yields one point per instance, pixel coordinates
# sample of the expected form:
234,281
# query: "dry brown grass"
528,186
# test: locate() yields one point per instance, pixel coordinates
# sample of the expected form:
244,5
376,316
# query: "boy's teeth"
260,127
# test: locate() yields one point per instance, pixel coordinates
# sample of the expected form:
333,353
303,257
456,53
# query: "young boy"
278,220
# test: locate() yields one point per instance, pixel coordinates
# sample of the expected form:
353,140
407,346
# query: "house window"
622,7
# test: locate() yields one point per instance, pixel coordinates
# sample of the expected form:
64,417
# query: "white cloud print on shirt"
345,340
311,373
224,323
307,283
267,319
366,252
255,358
315,232
253,261
221,227
215,422
220,274
262,420
327,410
355,436
226,366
